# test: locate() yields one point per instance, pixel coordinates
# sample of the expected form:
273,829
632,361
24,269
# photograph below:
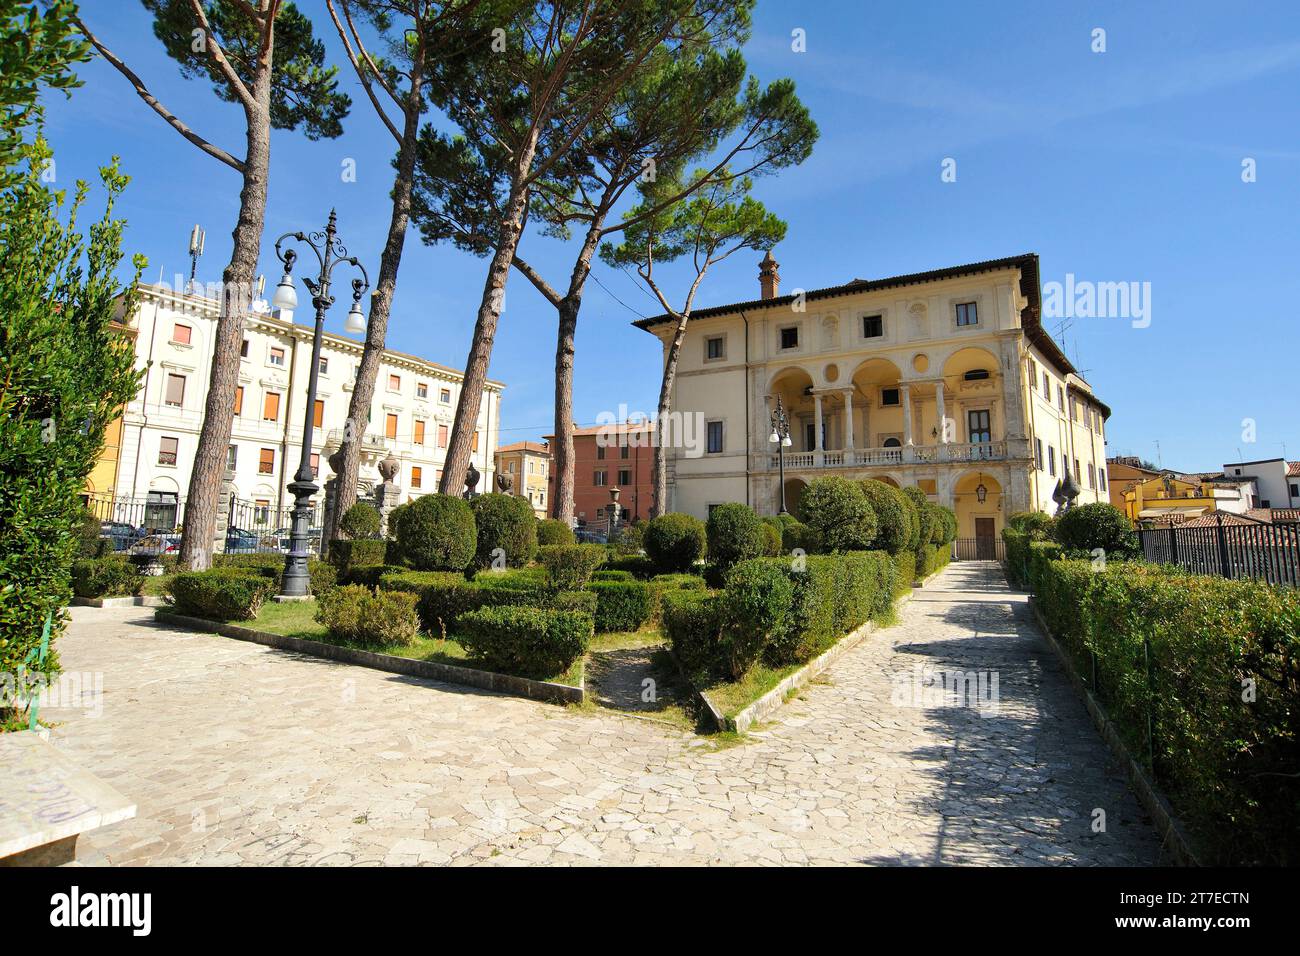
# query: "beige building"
529,464
942,379
411,417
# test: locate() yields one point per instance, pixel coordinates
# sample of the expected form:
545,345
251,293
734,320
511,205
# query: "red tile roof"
1293,469
536,447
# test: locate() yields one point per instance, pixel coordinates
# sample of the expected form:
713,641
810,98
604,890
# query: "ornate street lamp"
329,253
780,437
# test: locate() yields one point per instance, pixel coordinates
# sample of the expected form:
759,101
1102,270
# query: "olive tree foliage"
262,56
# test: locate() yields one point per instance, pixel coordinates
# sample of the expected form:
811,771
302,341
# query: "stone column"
848,419
908,446
817,428
943,421
224,498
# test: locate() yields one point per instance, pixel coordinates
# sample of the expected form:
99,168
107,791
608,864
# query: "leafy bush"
105,577
435,533
693,622
627,539
92,545
948,518
674,542
358,615
569,566
894,529
507,523
324,576
905,572
1098,525
360,522
734,534
797,536
441,596
348,556
613,575
639,566
773,529
759,594
938,522
221,594
553,531
621,605
1036,524
529,642
840,513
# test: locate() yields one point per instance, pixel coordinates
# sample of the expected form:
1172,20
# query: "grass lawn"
298,619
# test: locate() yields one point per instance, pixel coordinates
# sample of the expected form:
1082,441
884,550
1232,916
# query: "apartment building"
943,379
608,456
528,463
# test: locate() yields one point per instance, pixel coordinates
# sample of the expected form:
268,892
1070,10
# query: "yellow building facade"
529,465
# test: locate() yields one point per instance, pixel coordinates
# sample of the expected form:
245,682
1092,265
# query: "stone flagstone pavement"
239,754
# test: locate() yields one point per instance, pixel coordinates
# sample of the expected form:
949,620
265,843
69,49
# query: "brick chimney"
769,278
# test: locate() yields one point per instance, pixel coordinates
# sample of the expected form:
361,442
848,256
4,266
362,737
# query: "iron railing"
979,549
1245,548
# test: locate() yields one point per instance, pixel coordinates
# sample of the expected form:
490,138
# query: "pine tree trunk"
381,303
659,464
485,328
236,300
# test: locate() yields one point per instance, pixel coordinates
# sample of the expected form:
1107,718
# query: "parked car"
120,534
239,541
281,538
584,536
156,544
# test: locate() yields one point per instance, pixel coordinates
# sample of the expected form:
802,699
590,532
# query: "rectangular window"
266,461
175,390
714,347
1060,397
315,464
1078,474
967,313
417,476
474,447
277,357
1092,476
1074,410
873,326
600,452
318,414
419,432
1038,453
422,390
394,383
1101,478
390,425
622,451
232,457
1047,387
239,399
714,437
890,396
181,334
442,436
790,337
271,407
979,427
624,477
1051,461
167,448
598,479
243,349
444,396
323,366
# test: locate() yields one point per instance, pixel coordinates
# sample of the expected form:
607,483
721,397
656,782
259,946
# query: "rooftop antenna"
1160,462
197,236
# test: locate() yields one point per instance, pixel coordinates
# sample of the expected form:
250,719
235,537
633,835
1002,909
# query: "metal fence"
256,527
1246,548
153,524
979,549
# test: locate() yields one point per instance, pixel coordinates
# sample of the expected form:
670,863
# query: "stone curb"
431,670
136,601
1169,827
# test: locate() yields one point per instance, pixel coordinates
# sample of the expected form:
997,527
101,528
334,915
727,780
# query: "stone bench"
47,801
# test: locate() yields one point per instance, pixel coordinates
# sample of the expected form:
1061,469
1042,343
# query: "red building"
606,456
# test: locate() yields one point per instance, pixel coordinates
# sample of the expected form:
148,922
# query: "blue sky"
1117,166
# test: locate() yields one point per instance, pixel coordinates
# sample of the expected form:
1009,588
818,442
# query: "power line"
616,298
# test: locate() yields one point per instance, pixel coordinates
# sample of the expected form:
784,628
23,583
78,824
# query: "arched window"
976,375
892,443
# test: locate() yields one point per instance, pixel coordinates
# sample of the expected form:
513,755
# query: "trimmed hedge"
674,542
621,605
894,530
1098,525
506,525
1221,690
759,596
614,574
445,595
348,556
105,577
526,641
361,521
693,621
638,565
434,533
554,531
569,566
840,514
733,534
358,615
773,529
221,594
1036,524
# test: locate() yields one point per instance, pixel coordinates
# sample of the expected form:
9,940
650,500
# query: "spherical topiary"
506,529
554,531
674,542
773,529
949,524
840,513
796,536
1036,524
938,523
895,528
1097,525
734,534
360,522
921,536
435,533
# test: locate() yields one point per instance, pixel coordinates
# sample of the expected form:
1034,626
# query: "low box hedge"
358,615
220,594
613,574
693,620
569,566
446,595
348,556
525,641
105,577
621,605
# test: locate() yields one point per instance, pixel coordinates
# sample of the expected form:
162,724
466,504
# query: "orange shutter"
419,432
239,399
266,463
390,425
271,407
417,475
319,414
442,436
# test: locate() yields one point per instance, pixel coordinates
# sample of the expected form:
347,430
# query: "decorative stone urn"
387,492
505,482
471,482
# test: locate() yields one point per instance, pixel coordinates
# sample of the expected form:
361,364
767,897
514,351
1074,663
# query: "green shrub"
894,525
818,584
526,641
938,523
674,542
733,534
1097,525
348,556
358,615
105,577
948,519
693,622
905,572
221,594
324,576
569,566
507,529
758,597
1036,524
361,521
639,566
435,533
661,584
621,605
628,538
369,575
840,513
553,531
442,596
868,589
91,544
797,536
613,575
773,529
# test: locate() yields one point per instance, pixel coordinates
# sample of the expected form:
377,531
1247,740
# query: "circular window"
920,361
